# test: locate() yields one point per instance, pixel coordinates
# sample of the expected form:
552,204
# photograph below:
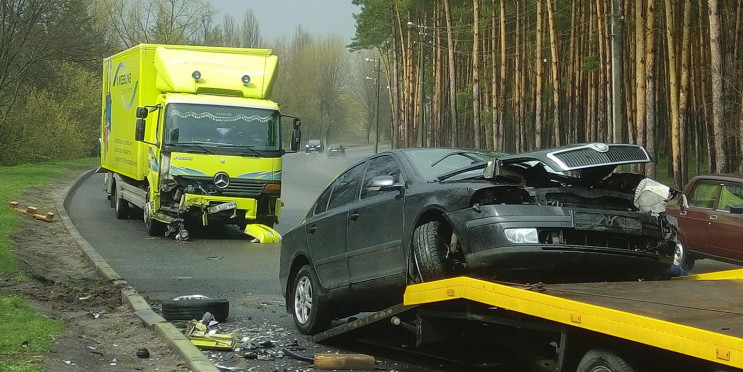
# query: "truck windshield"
222,126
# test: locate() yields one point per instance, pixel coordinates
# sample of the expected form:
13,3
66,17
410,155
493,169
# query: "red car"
336,150
711,224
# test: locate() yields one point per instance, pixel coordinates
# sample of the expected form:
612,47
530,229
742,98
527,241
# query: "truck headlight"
522,235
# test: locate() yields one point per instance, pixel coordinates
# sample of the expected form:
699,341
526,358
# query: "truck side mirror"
297,123
296,138
139,131
142,112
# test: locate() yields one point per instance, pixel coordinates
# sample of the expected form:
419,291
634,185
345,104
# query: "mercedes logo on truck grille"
221,180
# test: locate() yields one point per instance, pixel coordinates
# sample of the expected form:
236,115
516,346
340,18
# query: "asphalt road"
221,262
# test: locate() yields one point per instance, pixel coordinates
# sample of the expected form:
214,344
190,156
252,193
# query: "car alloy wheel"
309,313
303,300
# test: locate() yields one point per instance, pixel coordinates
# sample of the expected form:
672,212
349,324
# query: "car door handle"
312,229
354,216
713,217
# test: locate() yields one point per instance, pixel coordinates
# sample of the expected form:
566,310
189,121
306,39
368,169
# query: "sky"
278,18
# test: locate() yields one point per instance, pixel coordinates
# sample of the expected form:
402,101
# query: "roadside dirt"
102,333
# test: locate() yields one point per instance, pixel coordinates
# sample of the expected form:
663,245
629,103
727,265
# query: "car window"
731,195
704,193
431,163
322,202
345,187
384,165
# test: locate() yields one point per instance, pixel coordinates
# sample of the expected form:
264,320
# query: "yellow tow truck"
690,323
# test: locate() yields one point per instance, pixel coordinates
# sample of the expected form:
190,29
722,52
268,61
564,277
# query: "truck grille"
586,156
237,187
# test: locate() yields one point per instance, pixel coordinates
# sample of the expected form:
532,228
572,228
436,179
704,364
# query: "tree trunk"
650,85
476,74
555,72
673,97
539,83
640,73
684,89
499,143
452,76
717,82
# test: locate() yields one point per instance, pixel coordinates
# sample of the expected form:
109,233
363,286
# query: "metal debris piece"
298,356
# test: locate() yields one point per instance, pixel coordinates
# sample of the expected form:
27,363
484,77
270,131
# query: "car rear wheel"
307,308
430,251
602,360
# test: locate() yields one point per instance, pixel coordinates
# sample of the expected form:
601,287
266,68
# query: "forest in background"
508,75
518,75
51,54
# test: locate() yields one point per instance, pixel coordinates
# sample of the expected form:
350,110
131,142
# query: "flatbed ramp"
701,318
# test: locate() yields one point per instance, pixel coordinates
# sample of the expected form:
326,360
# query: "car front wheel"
431,251
307,308
681,256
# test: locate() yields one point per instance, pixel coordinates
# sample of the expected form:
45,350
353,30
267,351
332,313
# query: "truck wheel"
602,360
429,251
307,309
153,226
194,307
121,207
112,196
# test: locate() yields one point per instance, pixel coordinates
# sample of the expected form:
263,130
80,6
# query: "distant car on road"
711,224
314,145
412,215
335,150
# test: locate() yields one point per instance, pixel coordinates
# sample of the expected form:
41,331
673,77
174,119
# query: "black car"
412,215
335,150
314,145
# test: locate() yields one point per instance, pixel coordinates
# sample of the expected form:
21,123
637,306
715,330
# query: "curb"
197,361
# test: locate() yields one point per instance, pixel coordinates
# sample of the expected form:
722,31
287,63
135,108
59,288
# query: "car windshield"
431,163
223,126
313,142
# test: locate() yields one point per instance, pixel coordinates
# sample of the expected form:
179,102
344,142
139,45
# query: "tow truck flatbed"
700,316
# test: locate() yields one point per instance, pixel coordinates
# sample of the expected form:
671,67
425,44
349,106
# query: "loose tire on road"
310,315
121,206
429,251
602,360
194,307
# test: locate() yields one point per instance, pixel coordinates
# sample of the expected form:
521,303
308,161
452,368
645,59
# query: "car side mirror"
736,209
383,183
139,131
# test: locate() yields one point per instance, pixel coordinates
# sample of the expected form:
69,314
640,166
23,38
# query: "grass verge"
26,333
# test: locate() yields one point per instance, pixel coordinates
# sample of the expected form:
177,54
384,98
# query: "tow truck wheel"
602,360
307,308
429,251
121,207
153,226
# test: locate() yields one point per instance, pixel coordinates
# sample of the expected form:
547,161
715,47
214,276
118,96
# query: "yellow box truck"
188,134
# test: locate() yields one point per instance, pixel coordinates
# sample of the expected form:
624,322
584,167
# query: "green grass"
21,322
